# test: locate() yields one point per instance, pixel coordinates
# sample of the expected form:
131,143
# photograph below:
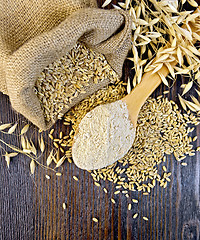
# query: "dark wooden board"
31,207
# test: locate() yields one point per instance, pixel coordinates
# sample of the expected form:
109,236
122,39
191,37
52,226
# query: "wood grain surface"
31,207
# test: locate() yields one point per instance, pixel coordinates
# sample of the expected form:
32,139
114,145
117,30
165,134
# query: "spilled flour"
104,136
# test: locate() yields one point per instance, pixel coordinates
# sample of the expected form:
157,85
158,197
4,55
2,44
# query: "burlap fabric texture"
35,33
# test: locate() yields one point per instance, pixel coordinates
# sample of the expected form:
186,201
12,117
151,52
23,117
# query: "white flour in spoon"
104,136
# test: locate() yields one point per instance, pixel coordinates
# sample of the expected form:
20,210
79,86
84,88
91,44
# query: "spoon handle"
150,81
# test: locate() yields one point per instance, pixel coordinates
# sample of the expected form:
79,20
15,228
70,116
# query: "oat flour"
104,136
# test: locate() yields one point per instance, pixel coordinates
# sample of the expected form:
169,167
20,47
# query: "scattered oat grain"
105,190
129,206
184,164
75,178
135,215
58,174
64,206
95,219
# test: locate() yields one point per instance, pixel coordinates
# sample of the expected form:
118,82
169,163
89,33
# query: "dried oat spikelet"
164,80
192,106
33,148
187,87
7,159
106,3
41,143
12,129
128,86
49,158
14,154
182,101
4,126
32,166
60,162
25,129
26,146
23,142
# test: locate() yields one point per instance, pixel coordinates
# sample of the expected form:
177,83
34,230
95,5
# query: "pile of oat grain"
162,130
70,79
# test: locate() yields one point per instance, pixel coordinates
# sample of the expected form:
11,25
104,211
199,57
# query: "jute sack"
35,33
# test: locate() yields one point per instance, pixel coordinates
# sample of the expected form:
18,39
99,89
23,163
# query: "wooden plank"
31,207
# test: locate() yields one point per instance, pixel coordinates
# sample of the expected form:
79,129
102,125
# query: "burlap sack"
35,33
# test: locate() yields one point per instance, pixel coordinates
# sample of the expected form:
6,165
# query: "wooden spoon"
100,153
